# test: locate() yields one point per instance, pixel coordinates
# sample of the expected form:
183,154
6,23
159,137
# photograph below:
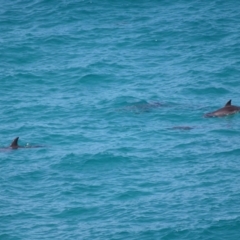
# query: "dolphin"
224,111
181,128
14,145
142,107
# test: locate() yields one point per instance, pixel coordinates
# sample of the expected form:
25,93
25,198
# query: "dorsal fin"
15,143
228,103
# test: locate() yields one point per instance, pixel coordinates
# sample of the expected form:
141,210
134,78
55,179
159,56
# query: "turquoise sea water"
104,86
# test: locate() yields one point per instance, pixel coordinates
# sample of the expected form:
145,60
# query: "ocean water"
115,92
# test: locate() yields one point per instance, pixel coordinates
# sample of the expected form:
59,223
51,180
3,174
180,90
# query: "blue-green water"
102,84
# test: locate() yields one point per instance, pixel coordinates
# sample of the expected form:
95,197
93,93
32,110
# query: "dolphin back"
228,109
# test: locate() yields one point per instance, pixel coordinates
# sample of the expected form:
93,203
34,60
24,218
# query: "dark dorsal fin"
228,103
15,143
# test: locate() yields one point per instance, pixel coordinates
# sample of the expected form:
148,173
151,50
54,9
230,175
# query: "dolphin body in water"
228,109
181,128
142,107
14,145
